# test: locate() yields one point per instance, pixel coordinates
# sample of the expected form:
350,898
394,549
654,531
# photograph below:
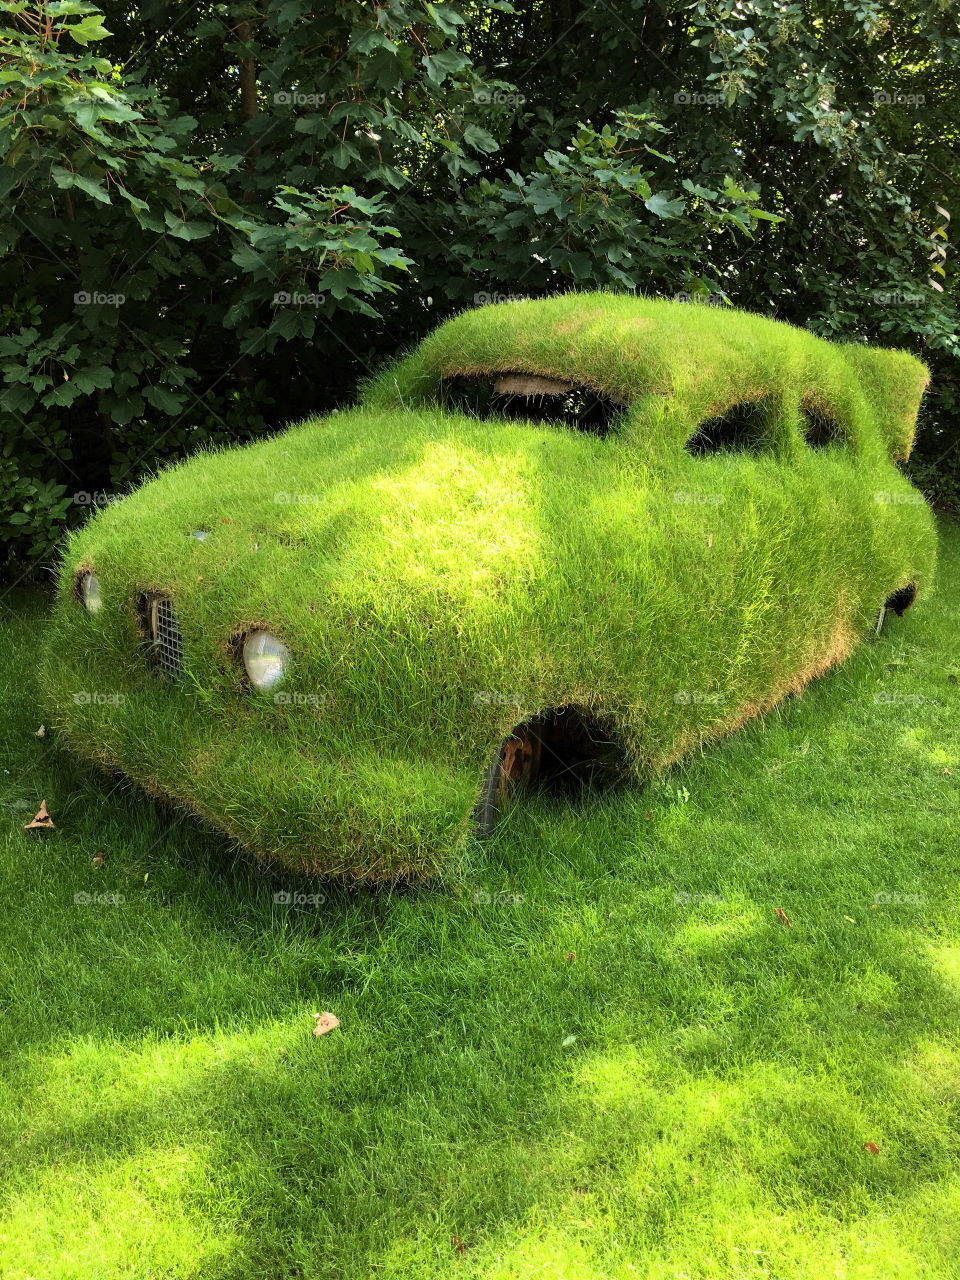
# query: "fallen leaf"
648,814
850,918
948,772
42,822
458,1244
41,732
709,539
872,1148
571,955
325,1022
568,1041
783,917
97,860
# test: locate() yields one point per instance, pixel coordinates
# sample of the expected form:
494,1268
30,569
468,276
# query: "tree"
384,165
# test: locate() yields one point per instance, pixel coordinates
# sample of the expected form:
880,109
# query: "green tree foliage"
284,193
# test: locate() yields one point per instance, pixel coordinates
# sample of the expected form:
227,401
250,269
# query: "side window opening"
821,426
743,428
531,398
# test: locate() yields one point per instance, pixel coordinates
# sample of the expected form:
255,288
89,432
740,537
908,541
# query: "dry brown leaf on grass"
41,732
458,1244
571,955
872,1148
325,1022
97,860
783,917
42,822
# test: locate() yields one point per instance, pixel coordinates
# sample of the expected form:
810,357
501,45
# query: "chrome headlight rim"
89,590
265,659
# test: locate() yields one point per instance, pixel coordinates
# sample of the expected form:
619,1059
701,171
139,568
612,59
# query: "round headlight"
90,593
265,659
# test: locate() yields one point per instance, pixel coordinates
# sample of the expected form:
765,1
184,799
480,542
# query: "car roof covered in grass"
677,362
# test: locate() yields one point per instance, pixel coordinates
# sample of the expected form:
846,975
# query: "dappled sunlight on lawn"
92,1213
733,925
593,1052
919,740
946,960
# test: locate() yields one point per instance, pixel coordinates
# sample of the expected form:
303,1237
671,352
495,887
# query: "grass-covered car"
563,539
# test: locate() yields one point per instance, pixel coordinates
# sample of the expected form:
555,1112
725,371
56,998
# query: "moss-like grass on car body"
441,578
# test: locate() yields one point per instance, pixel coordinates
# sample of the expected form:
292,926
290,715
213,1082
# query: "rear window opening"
743,428
529,397
821,427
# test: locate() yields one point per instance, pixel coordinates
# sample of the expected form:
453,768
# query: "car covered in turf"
563,540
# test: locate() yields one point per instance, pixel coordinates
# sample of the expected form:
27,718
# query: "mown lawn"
628,1065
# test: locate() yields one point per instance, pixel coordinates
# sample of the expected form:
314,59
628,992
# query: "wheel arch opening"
563,751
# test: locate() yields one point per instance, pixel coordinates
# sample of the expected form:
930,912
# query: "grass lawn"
623,1065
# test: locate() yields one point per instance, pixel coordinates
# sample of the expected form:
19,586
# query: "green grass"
426,560
166,1111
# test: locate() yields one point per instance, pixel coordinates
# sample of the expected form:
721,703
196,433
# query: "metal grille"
164,635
